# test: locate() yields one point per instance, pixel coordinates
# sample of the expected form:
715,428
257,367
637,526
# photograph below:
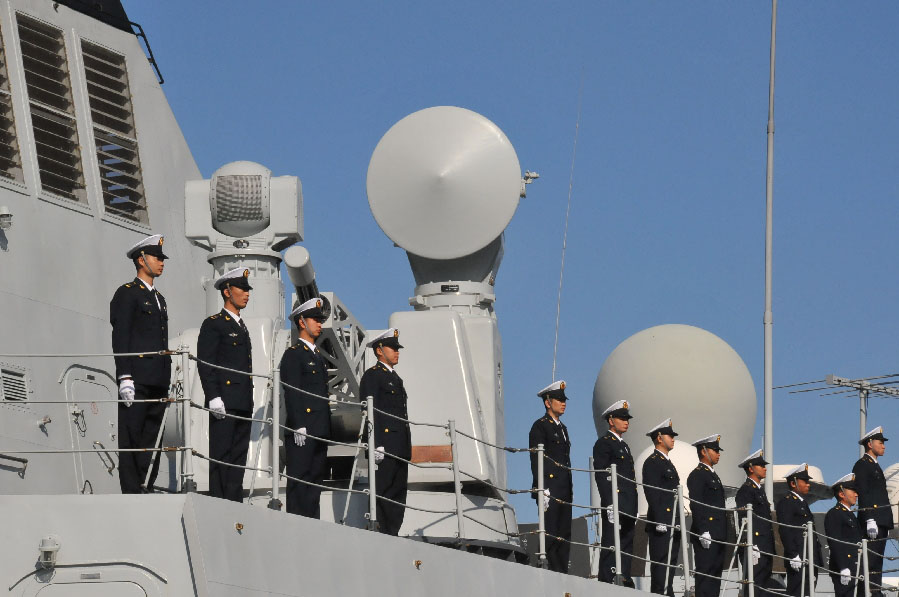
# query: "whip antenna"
577,127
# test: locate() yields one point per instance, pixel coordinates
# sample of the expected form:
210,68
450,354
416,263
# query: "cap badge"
318,303
562,385
161,240
396,333
246,273
625,404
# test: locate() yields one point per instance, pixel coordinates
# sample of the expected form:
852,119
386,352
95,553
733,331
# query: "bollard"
457,481
275,503
541,501
188,485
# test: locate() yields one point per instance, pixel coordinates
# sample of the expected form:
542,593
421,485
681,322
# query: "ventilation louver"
10,160
12,384
52,108
114,133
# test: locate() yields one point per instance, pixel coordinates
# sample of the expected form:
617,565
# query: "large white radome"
443,182
690,375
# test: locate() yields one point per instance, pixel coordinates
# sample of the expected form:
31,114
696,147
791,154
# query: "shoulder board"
128,285
373,367
793,497
699,467
655,455
294,347
305,347
216,316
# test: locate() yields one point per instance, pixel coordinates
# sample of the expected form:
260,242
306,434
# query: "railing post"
596,509
750,566
457,481
188,485
275,502
865,567
541,501
810,537
615,526
684,539
372,490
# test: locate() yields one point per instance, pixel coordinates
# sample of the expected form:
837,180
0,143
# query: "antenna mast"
769,228
577,128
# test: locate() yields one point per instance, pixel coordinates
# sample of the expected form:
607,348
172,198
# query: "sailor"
610,449
792,509
140,323
751,492
709,527
552,433
874,512
843,533
392,435
659,474
225,341
305,376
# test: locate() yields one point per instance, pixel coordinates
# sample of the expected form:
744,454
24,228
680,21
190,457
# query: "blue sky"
667,214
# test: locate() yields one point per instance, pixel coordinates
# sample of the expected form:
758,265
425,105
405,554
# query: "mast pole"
768,321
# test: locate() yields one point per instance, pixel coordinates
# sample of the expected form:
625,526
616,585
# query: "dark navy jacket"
609,450
557,448
659,471
762,531
873,501
140,325
386,387
223,342
706,490
840,523
307,370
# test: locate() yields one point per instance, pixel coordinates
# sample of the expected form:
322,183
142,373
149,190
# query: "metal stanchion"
865,568
372,490
750,565
596,509
541,502
684,539
275,503
615,526
810,537
457,481
188,484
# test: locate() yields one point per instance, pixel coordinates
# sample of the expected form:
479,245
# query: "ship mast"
769,318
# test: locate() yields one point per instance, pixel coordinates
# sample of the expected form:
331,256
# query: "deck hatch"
115,137
10,159
52,108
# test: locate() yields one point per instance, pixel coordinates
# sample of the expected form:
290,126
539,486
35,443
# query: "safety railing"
676,527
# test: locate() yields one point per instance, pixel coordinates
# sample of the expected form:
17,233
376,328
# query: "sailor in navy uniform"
709,526
140,323
841,525
792,509
610,449
391,436
552,433
659,474
225,341
874,511
308,411
752,492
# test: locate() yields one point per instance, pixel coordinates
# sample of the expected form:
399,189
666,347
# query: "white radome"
690,375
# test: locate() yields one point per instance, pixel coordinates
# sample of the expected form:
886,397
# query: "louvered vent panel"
239,197
52,109
10,160
13,383
114,134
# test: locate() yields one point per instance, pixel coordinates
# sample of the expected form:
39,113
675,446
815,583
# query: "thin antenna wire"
577,128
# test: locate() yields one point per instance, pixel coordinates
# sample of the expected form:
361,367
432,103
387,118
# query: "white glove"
796,563
660,528
872,528
217,406
610,516
845,577
126,391
379,454
299,437
756,555
705,540
545,500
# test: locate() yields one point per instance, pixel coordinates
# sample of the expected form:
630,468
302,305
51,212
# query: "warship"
91,160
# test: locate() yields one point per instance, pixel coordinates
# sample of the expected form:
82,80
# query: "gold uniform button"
667,509
313,370
711,518
550,475
235,344
308,410
387,431
228,383
756,533
875,505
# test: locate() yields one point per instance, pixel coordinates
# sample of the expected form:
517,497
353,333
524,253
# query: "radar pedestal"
443,184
